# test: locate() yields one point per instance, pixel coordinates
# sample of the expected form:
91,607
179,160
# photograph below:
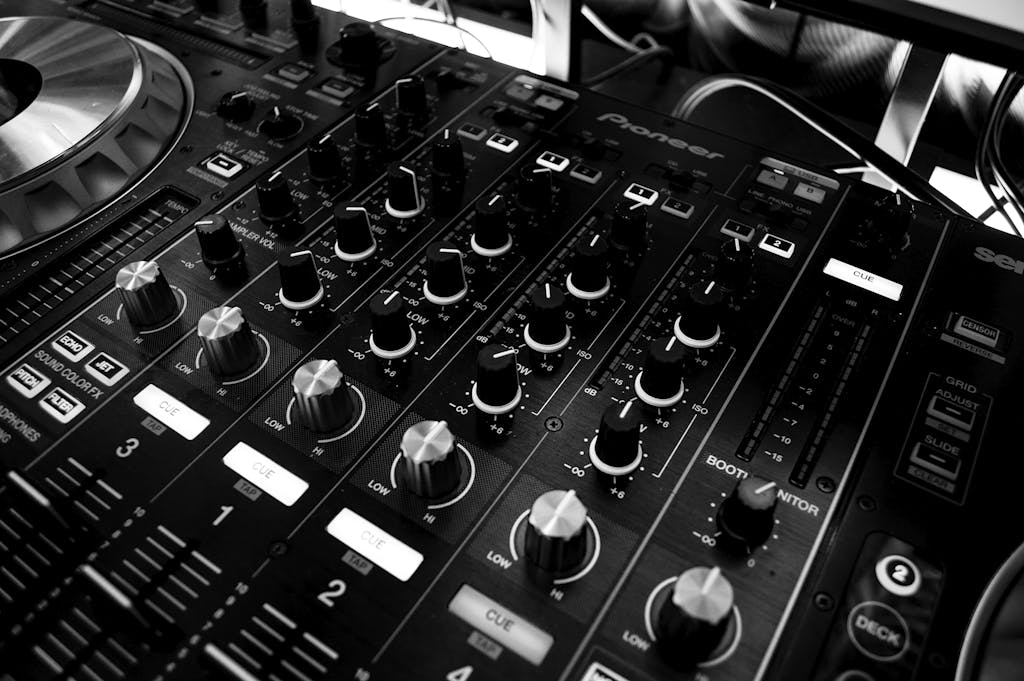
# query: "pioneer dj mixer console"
366,358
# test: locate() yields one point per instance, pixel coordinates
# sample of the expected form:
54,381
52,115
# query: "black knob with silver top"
446,279
404,198
546,331
555,541
491,237
147,297
353,234
693,624
431,462
697,325
660,384
615,452
230,346
497,390
588,279
300,284
391,334
322,397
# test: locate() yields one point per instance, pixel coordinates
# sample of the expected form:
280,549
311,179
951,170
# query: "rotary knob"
353,235
147,297
491,236
300,284
230,346
555,541
616,451
220,248
694,622
391,334
404,199
735,265
305,24
279,125
533,192
274,197
747,516
660,384
324,159
887,231
237,106
629,226
370,129
547,331
588,279
446,281
697,325
411,99
497,390
357,46
432,468
447,173
322,397
254,13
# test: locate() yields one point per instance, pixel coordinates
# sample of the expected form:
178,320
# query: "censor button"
878,631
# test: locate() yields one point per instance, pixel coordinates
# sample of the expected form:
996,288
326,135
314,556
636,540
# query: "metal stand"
559,37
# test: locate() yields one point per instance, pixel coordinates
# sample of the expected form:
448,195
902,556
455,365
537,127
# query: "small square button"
27,380
338,89
738,230
641,194
59,404
223,165
502,142
519,91
772,179
552,160
473,132
106,369
681,209
809,192
585,174
294,73
72,346
778,246
548,102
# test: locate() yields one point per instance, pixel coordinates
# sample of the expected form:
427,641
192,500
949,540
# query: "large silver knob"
432,467
556,532
322,396
147,297
694,622
229,344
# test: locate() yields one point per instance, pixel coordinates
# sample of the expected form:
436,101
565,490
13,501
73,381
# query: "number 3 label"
129,446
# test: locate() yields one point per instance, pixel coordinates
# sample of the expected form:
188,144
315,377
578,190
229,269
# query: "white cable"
607,32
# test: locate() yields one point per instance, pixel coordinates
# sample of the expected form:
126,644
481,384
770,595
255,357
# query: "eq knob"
588,279
357,46
322,397
497,390
491,236
555,540
254,13
546,331
147,298
324,160
404,198
747,516
616,449
446,281
237,106
230,346
533,191
391,334
447,173
370,128
274,197
353,235
735,265
279,125
411,98
697,324
431,463
220,248
660,384
300,284
695,620
629,226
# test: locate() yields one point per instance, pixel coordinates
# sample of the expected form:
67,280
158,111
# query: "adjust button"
501,624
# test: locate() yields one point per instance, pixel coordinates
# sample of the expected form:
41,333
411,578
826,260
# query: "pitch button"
446,280
300,284
497,390
391,335
491,237
697,325
660,384
353,235
546,332
588,279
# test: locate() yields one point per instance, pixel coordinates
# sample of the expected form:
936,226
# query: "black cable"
1014,196
798,35
982,172
627,63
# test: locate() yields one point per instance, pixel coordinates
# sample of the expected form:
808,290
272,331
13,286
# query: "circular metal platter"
85,113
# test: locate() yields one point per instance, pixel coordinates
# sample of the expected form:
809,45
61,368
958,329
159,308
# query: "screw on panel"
866,503
826,485
346,319
217,196
938,660
278,549
553,424
823,601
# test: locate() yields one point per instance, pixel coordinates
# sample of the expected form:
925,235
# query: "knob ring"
490,252
693,342
169,322
594,547
658,402
348,431
547,348
614,471
394,354
405,214
443,300
246,377
355,257
497,411
457,498
587,295
304,305
657,596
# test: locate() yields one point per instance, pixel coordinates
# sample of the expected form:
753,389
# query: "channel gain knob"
323,399
431,462
693,624
555,541
497,390
547,331
747,516
588,279
446,280
300,284
230,346
147,298
615,452
491,236
391,334
660,384
697,326
353,234
404,198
